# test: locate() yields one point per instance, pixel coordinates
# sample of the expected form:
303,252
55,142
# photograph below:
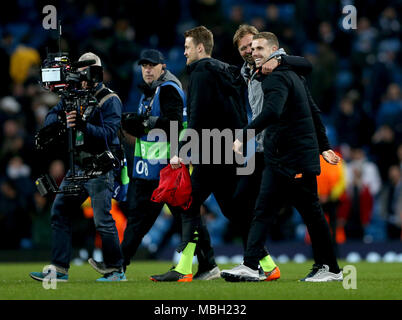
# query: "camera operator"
93,136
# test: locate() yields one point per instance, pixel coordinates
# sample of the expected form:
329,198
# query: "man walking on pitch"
208,108
162,102
293,139
93,137
248,186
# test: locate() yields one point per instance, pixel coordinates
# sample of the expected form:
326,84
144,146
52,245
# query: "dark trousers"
330,208
276,191
245,197
100,190
141,216
221,180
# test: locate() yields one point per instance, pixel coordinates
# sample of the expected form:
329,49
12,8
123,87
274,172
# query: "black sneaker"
172,276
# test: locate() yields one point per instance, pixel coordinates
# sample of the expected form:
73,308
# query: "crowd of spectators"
356,81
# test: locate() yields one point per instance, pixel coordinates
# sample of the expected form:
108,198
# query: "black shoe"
172,276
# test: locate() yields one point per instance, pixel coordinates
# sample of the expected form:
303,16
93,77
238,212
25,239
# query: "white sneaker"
240,273
212,274
320,273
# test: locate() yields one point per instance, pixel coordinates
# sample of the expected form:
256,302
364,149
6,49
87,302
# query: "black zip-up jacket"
295,134
215,98
211,82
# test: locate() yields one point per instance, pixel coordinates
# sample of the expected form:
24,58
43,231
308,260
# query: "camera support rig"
94,166
61,76
82,101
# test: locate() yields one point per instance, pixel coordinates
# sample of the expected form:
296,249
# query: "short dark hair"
202,35
243,30
269,36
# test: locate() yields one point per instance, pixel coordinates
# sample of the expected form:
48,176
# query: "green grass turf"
374,281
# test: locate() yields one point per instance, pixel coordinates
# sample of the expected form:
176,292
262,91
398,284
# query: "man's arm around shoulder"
276,89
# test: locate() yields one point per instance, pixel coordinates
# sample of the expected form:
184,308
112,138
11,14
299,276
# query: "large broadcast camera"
64,78
59,75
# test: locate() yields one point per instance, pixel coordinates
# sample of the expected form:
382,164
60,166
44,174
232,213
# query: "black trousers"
245,197
221,180
276,191
141,216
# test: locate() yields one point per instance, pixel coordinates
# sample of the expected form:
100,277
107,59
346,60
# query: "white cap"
91,56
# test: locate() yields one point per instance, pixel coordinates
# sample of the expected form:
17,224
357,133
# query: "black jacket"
215,98
295,134
211,83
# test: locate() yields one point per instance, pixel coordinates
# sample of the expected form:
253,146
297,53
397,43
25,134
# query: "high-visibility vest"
150,157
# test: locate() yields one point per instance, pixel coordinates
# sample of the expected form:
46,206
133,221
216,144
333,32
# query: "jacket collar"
193,65
246,71
259,75
99,87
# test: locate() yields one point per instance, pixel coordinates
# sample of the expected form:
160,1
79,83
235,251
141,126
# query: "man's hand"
175,162
331,157
133,123
74,120
237,146
71,119
269,66
130,119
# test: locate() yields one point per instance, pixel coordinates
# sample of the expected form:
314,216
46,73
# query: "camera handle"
71,151
71,144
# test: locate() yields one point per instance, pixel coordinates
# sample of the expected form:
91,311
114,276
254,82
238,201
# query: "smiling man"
263,47
248,187
293,140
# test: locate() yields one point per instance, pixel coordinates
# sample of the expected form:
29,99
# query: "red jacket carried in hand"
174,187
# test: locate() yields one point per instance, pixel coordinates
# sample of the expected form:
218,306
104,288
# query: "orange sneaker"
274,274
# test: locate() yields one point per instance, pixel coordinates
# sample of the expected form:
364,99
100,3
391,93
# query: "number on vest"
141,168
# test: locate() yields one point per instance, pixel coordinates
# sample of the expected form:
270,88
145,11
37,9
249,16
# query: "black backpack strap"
102,95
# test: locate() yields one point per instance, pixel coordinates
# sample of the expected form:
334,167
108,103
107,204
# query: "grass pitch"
375,281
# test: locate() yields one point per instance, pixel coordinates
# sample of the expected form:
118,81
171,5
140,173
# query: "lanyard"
148,108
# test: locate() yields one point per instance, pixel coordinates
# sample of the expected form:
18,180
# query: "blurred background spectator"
356,81
363,183
391,202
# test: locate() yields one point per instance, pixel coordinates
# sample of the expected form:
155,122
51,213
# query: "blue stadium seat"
344,79
286,12
253,11
18,30
176,60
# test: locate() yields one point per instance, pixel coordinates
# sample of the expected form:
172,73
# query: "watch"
279,59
